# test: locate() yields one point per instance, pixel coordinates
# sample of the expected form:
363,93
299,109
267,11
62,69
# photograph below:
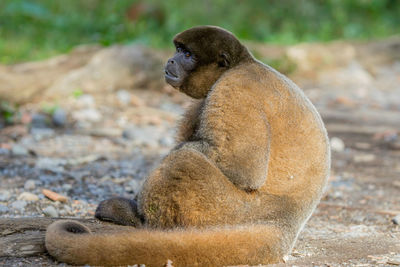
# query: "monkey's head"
202,55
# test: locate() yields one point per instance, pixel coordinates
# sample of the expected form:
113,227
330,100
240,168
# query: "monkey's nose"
171,61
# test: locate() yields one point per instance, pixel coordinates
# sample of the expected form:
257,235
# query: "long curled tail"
72,242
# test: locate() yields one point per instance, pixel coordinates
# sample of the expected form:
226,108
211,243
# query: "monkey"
249,167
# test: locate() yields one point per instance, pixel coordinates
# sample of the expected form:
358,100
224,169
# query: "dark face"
179,66
203,55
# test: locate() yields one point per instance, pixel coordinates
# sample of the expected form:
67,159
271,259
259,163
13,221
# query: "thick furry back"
72,242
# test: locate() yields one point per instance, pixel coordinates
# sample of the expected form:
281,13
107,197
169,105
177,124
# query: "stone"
85,101
18,150
124,97
396,220
337,144
19,205
41,133
143,136
50,211
364,158
167,141
134,186
29,185
39,121
5,195
4,151
88,114
51,164
28,197
59,117
3,208
395,260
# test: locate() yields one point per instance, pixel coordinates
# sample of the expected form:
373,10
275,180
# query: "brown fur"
250,168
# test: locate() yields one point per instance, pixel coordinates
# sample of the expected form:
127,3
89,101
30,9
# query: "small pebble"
167,141
85,101
29,185
5,195
59,117
364,158
18,150
396,220
395,260
4,151
67,187
19,205
28,197
50,211
337,144
3,208
39,120
124,97
88,115
42,133
143,136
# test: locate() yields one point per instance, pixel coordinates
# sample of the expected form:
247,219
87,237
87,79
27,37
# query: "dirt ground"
88,159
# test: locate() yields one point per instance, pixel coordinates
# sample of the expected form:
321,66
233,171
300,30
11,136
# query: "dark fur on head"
215,50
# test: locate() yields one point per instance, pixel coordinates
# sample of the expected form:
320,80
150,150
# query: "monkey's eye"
187,54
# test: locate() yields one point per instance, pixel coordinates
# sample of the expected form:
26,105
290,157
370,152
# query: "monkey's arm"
234,133
189,122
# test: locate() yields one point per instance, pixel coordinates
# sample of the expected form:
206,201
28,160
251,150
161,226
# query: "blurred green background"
36,29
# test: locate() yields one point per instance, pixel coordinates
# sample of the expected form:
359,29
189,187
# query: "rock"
396,183
394,260
111,69
143,136
51,164
364,158
29,185
396,220
28,197
39,121
41,133
4,151
337,144
85,101
19,205
54,196
172,107
67,187
134,186
50,211
89,115
361,145
18,150
59,117
124,97
5,195
3,208
167,141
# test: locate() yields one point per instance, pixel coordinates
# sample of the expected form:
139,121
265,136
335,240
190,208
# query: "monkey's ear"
223,60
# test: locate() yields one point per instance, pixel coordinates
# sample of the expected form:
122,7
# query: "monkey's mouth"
169,74
172,78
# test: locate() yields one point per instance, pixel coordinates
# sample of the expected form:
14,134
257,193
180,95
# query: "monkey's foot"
119,210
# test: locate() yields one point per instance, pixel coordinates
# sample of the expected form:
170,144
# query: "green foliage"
34,29
49,108
8,112
77,93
